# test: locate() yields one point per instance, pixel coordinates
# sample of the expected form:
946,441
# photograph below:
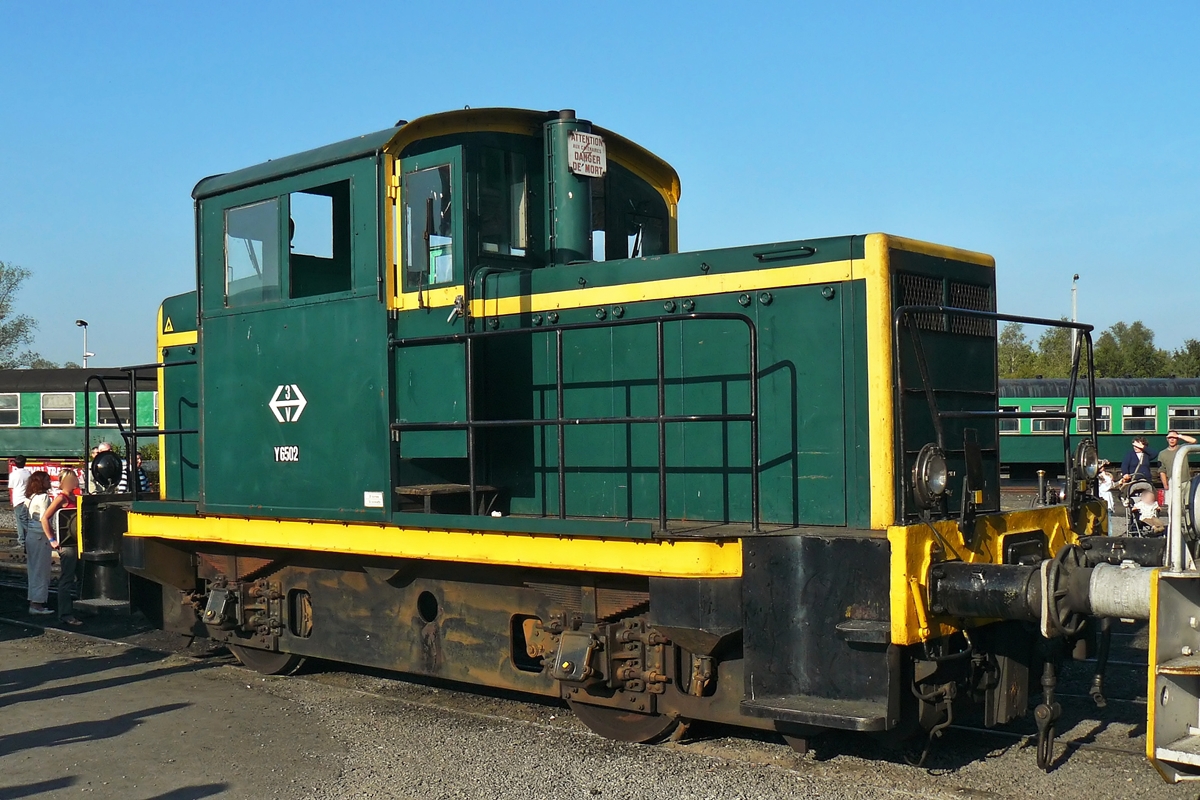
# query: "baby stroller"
1134,524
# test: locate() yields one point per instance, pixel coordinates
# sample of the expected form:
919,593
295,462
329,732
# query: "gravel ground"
82,716
221,731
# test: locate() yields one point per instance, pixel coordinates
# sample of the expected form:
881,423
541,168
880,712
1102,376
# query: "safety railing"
560,422
133,432
1082,336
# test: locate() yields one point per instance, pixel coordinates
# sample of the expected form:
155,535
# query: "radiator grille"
976,298
921,290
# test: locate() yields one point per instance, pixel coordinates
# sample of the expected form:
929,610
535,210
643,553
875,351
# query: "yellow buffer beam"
915,548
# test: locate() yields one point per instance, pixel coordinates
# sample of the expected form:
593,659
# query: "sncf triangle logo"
287,404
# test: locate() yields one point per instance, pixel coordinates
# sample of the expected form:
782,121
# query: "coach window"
104,414
503,203
1083,422
319,246
58,408
1010,425
1183,418
1049,425
428,219
252,253
10,409
1139,419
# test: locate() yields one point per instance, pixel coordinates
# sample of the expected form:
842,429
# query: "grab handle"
803,251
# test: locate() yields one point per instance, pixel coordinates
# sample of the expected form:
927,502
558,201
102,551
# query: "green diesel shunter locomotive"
447,400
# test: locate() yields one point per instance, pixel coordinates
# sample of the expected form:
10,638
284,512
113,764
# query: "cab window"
428,227
629,218
319,232
252,253
503,203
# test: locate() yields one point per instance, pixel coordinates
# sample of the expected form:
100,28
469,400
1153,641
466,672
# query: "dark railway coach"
447,400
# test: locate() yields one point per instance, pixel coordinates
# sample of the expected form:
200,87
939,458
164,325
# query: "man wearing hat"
1167,457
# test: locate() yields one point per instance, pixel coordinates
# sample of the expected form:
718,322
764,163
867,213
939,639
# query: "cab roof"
393,140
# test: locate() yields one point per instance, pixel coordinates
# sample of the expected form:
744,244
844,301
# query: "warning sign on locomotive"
585,154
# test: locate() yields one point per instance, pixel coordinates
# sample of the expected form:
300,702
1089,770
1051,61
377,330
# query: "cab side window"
319,248
629,218
428,228
503,203
252,262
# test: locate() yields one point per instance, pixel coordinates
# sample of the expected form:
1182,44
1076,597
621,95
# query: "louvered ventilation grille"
977,298
920,290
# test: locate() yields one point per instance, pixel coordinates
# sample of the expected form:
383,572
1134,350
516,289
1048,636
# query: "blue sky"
1060,138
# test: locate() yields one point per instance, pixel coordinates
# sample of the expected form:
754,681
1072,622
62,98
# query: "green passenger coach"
42,412
448,400
1125,408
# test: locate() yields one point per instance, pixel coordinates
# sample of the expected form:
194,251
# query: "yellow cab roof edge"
529,123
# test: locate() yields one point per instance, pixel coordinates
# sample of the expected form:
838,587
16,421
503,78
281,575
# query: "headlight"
1087,461
930,475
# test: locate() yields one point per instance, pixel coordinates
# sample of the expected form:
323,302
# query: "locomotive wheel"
266,662
624,726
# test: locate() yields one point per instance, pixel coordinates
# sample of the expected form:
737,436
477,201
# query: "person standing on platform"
1136,464
59,530
1167,457
18,477
143,481
37,546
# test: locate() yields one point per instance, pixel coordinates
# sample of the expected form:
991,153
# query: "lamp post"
1074,306
1074,315
82,323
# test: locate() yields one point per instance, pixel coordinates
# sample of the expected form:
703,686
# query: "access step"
1181,751
102,606
824,712
426,492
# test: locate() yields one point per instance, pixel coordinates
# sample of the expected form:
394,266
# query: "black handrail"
134,433
560,422
1083,331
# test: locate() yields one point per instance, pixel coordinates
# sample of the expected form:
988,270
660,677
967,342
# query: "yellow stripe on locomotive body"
654,558
1152,677
649,291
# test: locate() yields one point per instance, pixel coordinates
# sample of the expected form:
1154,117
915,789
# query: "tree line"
16,330
1122,351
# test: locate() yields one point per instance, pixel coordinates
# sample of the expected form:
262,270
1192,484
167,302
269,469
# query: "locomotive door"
431,378
294,374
